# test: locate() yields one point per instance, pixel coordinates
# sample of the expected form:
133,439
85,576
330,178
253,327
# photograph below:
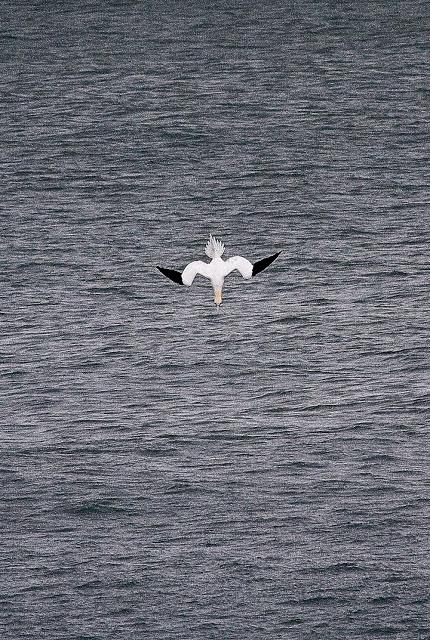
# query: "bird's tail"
214,247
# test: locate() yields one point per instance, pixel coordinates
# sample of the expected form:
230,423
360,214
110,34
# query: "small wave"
383,631
96,508
335,569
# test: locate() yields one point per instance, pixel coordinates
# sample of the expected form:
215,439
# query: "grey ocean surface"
167,472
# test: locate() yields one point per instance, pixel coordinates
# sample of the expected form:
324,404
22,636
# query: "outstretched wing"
245,268
194,268
171,274
262,264
188,274
241,264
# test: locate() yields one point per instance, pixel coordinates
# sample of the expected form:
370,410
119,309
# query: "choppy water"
168,472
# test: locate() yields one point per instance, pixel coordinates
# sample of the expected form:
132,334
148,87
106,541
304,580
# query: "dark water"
168,472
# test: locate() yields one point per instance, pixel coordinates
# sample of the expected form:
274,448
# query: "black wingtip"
260,265
173,275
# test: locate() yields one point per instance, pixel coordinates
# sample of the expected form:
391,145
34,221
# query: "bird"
217,269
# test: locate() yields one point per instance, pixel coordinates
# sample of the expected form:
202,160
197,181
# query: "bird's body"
217,269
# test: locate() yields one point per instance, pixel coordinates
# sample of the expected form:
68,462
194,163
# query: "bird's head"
218,297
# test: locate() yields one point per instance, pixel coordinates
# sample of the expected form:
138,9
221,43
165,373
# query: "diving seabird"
217,269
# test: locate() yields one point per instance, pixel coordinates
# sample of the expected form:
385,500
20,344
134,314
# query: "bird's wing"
194,268
188,274
245,268
241,264
171,274
262,264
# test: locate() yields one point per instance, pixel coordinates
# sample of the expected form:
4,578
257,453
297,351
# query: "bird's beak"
218,297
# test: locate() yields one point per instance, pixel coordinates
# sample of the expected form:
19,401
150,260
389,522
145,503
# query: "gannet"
217,269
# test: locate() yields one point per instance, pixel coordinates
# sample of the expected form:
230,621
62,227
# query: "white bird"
217,269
